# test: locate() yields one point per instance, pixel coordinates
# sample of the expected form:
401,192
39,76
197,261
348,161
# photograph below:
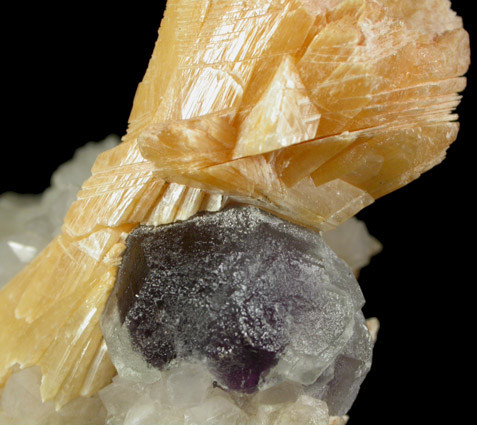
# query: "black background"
69,76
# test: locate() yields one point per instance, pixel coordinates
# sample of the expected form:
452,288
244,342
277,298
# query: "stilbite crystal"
373,87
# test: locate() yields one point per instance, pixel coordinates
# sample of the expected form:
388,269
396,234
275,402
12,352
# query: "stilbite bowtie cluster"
308,109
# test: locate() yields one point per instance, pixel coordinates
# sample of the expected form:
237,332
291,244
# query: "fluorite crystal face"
257,299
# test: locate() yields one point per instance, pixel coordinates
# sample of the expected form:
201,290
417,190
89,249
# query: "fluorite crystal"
308,109
260,300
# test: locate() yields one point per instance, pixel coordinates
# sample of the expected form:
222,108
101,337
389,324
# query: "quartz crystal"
260,300
307,109
22,405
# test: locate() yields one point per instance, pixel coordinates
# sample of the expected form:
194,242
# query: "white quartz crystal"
352,242
126,403
200,403
21,405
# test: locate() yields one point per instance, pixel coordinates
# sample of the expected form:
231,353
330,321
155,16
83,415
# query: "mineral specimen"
308,109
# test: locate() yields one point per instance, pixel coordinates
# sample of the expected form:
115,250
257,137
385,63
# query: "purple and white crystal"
257,300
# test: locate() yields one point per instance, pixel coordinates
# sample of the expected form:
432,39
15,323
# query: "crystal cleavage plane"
307,109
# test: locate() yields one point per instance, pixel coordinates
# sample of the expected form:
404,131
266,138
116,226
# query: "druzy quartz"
260,300
309,109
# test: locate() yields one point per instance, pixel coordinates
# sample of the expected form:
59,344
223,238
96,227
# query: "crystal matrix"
310,109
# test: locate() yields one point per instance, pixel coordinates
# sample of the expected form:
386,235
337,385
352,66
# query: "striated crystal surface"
29,222
308,109
258,299
326,106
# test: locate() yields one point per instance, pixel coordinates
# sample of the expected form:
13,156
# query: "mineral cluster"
307,109
185,390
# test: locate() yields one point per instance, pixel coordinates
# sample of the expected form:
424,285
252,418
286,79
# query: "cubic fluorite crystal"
258,299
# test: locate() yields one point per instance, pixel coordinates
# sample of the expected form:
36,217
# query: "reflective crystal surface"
257,299
308,109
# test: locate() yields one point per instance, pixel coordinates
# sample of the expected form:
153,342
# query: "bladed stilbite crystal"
309,109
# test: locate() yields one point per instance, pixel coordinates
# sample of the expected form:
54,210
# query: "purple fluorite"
258,299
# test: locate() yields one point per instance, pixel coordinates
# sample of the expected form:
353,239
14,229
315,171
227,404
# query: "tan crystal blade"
70,353
121,191
51,339
81,259
390,57
393,158
206,56
73,383
255,180
100,372
182,145
283,116
360,69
